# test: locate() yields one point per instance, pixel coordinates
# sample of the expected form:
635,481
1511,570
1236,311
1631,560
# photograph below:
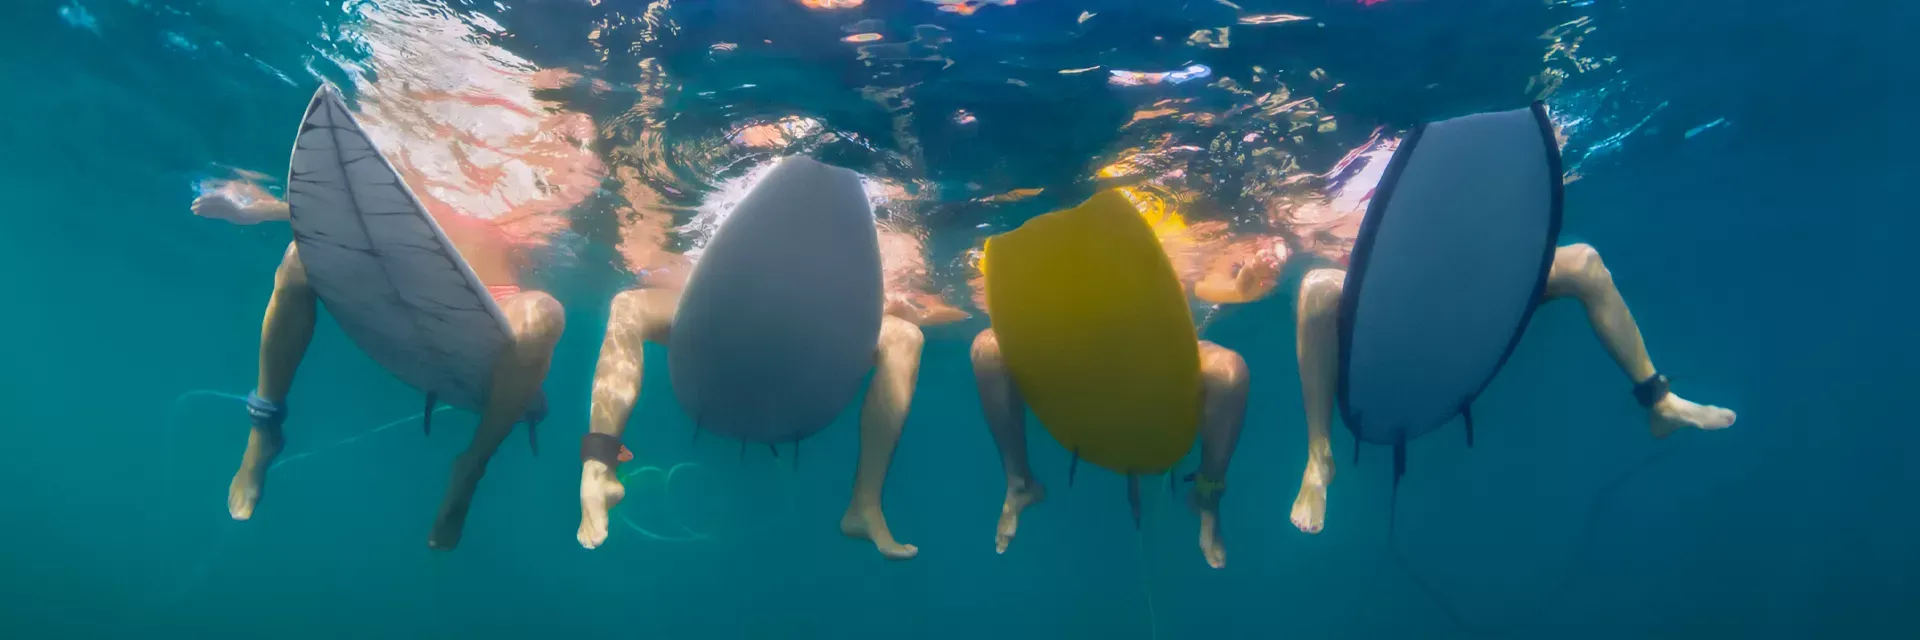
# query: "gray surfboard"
778,323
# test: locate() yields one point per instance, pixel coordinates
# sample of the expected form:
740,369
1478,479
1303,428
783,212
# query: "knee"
899,335
986,349
1320,293
643,314
1579,265
1222,368
537,319
1580,259
292,272
629,308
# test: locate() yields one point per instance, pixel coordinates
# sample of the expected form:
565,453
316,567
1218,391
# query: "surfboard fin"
696,432
1133,498
796,456
1073,467
1468,414
533,439
426,418
773,449
1399,469
743,451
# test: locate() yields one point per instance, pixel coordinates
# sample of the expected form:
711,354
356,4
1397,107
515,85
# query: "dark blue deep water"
1743,167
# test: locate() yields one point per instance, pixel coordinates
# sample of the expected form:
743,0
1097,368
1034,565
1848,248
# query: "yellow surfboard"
1096,332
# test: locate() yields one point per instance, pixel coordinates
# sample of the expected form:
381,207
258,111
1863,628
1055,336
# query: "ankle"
595,469
1670,406
1020,484
864,505
470,465
1319,469
266,438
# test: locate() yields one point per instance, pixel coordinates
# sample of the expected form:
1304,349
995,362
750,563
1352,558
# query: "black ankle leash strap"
602,447
1652,390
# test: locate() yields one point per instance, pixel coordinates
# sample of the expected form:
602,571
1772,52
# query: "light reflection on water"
660,114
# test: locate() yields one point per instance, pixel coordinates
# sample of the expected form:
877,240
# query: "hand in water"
237,201
1259,274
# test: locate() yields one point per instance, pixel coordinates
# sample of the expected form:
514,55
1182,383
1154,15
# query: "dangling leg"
637,317
1006,415
883,414
1224,374
284,335
1317,342
537,321
1578,273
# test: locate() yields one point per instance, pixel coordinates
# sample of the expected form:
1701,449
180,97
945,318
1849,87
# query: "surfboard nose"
809,169
329,93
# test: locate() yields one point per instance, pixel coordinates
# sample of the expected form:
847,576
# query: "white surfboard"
383,268
777,327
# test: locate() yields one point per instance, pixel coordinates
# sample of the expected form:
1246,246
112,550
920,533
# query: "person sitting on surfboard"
534,166
1323,230
1092,330
649,313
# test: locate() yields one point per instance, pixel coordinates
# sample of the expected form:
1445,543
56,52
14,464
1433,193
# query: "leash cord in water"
1146,574
1576,558
220,543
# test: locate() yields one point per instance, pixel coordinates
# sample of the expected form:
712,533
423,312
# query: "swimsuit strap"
602,447
266,414
1652,390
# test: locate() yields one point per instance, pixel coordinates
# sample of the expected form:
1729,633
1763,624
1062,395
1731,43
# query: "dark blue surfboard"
1451,260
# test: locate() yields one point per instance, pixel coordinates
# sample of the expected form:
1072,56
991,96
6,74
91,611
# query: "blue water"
1742,172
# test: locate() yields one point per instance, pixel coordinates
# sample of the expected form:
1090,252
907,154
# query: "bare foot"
600,491
1673,413
868,523
1310,508
452,520
1020,495
263,445
1212,544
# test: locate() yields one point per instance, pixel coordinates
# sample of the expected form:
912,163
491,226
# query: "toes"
240,503
442,542
1307,512
1003,536
593,532
593,521
1306,520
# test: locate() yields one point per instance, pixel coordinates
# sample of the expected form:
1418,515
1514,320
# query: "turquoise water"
1738,171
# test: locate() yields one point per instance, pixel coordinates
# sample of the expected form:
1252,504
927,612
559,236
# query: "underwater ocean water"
1742,166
